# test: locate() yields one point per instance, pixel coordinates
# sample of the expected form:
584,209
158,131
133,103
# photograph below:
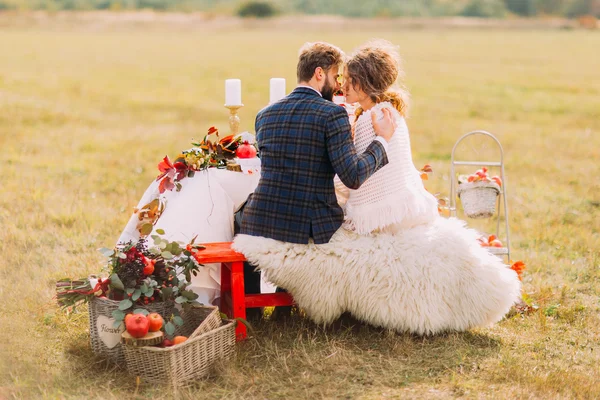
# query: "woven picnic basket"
102,306
210,339
478,198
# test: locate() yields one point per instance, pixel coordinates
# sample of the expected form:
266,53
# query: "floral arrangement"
138,275
206,154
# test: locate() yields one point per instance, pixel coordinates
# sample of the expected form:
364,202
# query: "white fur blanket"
425,280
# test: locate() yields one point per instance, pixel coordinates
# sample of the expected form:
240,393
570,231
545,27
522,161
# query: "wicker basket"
478,198
105,339
182,364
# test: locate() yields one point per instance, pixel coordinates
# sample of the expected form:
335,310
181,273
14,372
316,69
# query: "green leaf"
167,255
117,324
162,245
118,315
154,251
188,294
141,311
144,288
115,282
149,293
106,252
125,304
166,293
169,328
146,229
245,323
130,290
180,300
136,294
178,320
223,315
122,255
160,231
175,249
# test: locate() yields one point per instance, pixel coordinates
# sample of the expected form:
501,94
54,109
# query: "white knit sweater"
394,197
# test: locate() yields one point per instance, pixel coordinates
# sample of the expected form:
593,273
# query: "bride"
395,262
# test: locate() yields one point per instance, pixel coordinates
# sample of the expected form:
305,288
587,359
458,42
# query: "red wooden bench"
233,299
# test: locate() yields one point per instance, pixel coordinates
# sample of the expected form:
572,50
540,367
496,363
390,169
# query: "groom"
304,140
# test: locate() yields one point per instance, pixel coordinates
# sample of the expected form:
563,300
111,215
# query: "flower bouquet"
205,154
141,279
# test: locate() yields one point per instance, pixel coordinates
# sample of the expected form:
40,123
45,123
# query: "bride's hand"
386,126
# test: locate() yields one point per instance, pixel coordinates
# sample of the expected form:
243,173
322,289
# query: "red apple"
156,322
246,150
137,326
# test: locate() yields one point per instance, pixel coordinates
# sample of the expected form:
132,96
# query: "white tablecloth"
204,207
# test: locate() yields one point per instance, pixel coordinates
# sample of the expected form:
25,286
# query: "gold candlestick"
234,120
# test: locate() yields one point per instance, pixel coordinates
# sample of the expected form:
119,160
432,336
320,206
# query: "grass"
86,114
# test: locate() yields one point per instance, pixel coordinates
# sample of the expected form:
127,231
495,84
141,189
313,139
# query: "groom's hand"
385,127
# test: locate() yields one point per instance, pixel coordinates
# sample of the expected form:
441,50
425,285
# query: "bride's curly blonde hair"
375,68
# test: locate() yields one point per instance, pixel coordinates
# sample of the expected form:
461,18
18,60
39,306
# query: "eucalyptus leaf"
125,304
146,229
178,320
106,252
122,255
169,328
188,294
167,255
160,231
115,282
162,245
144,288
117,324
180,300
136,294
129,290
154,251
141,311
149,293
118,315
166,293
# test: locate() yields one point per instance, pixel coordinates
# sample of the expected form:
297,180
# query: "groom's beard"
327,91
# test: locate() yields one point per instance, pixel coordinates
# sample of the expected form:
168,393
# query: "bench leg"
238,302
225,290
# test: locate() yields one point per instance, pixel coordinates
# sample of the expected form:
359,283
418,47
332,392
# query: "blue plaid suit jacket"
304,140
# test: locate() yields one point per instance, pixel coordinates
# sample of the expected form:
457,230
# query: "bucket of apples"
478,193
177,357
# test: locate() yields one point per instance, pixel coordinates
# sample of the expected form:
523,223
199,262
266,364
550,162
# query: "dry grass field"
86,114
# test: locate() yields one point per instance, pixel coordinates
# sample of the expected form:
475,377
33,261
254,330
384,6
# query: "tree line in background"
348,8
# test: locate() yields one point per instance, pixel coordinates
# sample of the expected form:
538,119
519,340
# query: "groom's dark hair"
318,54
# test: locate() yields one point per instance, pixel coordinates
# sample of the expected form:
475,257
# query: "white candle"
277,91
233,92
